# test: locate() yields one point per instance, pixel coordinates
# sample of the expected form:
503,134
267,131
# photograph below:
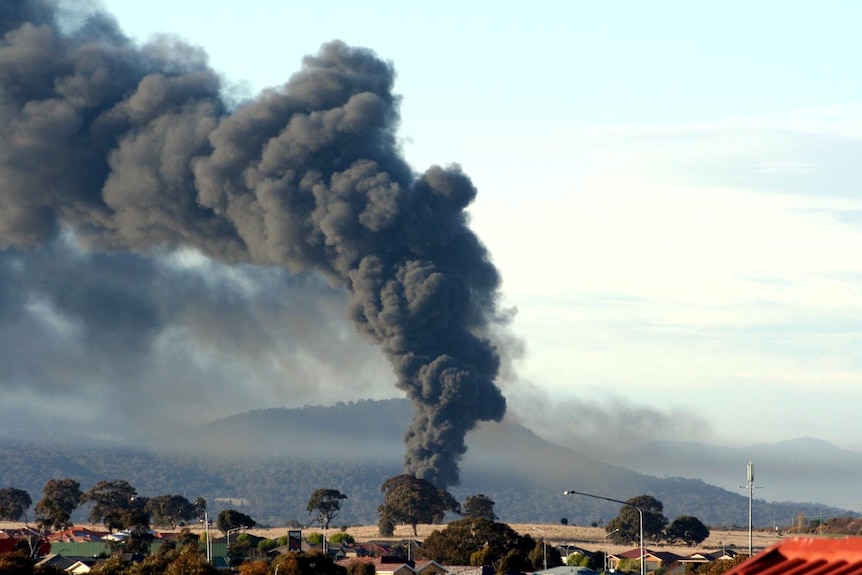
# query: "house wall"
97,548
68,549
650,563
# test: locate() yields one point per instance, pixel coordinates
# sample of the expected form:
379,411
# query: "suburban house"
652,559
339,551
725,554
12,539
335,550
389,565
670,562
704,557
81,566
370,549
566,570
566,550
76,534
58,561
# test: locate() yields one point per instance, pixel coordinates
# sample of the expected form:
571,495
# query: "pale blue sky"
670,189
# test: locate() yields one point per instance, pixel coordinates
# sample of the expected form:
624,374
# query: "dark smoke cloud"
116,343
133,151
80,321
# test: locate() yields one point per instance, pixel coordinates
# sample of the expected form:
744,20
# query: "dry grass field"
591,538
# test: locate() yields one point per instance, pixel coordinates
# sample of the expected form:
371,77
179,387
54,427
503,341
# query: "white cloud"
651,263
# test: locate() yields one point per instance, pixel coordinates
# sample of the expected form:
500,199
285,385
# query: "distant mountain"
803,469
268,462
362,429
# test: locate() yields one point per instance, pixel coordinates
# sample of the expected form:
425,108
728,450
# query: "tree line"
115,504
262,481
625,527
475,538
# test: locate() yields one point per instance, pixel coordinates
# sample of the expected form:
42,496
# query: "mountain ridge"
275,458
799,469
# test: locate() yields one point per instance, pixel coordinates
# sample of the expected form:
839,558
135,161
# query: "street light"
229,531
544,549
207,531
608,548
621,502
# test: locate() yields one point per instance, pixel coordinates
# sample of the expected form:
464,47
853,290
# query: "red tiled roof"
630,554
808,556
77,534
665,556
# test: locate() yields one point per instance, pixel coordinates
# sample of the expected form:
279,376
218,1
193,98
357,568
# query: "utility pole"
751,487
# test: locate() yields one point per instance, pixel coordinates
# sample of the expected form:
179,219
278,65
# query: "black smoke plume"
133,149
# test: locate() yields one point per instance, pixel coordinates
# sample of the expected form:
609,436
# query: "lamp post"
207,531
621,502
544,549
229,531
608,548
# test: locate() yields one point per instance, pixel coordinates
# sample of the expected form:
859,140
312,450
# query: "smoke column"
133,149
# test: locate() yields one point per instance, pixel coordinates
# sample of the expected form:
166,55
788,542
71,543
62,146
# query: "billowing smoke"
133,149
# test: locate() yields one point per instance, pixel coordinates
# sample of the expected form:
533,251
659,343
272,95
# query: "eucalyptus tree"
14,503
480,506
626,525
116,504
687,529
60,498
410,501
325,504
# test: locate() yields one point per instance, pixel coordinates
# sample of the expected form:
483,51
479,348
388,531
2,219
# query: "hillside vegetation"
271,461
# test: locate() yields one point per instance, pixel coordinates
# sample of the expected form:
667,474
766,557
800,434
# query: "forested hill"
267,463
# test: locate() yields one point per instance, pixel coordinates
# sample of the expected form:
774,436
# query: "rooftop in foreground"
809,556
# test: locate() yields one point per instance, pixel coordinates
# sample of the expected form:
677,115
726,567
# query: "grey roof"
566,570
61,561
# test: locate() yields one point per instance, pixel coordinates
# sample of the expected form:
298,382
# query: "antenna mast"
751,487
